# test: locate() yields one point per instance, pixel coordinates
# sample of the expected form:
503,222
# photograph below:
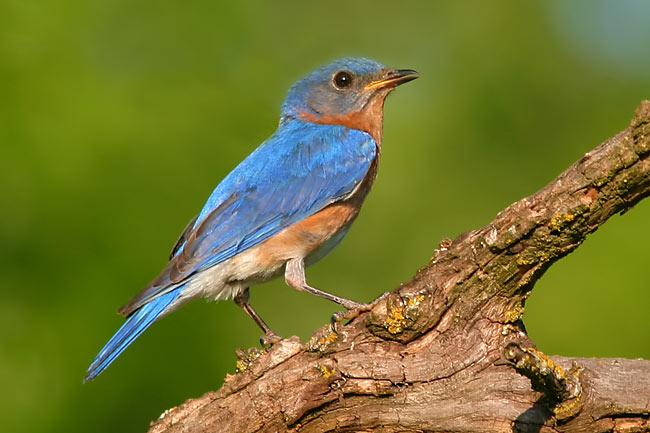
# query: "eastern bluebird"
284,207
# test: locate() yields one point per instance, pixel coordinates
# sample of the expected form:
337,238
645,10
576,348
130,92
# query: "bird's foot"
269,339
354,310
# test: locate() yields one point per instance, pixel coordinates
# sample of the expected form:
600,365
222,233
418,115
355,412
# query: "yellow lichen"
403,312
326,371
568,407
241,366
514,314
526,261
543,256
395,322
246,359
550,364
415,301
560,221
320,344
412,310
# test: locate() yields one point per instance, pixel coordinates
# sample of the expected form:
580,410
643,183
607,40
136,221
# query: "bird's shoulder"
295,151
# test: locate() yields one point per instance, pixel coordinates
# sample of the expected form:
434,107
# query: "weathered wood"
430,355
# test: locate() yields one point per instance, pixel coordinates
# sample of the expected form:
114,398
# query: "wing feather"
297,172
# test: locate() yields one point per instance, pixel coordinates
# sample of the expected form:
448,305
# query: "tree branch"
447,351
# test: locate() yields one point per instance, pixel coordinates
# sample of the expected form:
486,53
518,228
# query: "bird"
283,208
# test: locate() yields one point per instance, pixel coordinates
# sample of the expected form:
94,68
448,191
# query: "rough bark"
447,351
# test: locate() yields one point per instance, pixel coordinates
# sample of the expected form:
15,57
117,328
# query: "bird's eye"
342,79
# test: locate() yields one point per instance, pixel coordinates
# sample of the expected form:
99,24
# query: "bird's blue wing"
300,170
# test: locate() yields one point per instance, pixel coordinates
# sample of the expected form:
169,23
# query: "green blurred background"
118,118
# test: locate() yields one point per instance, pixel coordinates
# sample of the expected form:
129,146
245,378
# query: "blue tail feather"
130,330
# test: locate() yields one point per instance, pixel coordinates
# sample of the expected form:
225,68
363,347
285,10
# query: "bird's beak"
393,79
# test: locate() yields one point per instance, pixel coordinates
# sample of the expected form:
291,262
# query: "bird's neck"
369,119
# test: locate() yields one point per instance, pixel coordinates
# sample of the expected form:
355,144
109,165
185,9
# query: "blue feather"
298,171
293,153
130,330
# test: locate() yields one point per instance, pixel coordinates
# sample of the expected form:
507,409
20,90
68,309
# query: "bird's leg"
269,338
294,275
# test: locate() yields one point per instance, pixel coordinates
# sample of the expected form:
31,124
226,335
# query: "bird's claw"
353,312
269,339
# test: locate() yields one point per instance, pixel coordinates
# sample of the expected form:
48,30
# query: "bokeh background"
118,118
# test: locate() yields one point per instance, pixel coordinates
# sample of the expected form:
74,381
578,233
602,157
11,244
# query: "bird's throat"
369,119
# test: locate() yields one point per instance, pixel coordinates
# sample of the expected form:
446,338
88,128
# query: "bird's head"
348,92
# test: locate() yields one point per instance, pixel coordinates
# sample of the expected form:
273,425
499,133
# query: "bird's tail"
130,330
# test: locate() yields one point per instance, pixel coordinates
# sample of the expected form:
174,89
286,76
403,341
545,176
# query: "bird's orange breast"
307,236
